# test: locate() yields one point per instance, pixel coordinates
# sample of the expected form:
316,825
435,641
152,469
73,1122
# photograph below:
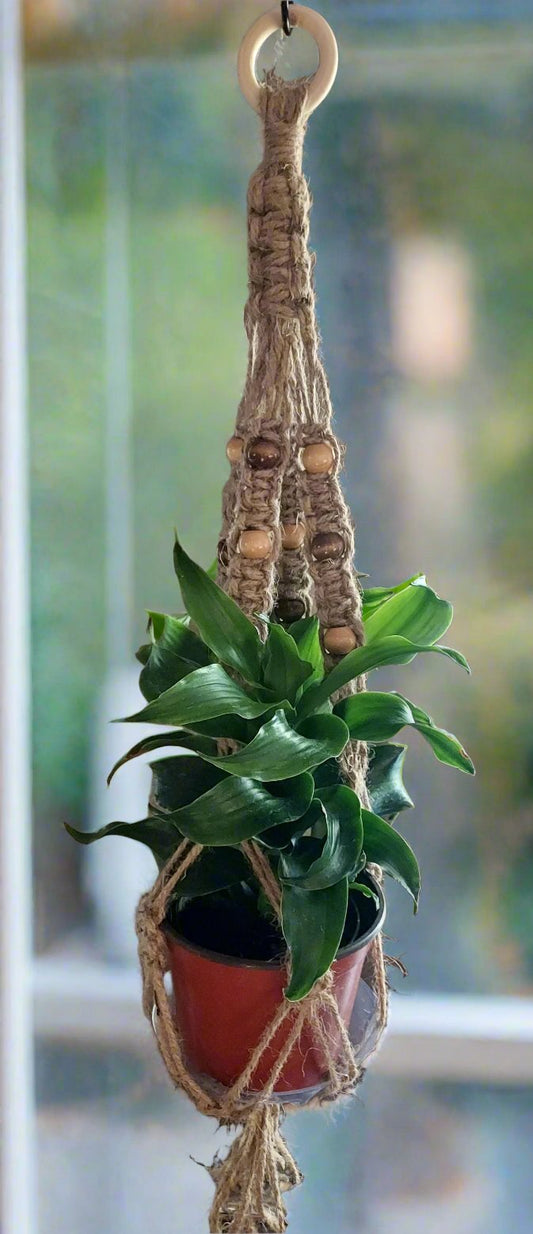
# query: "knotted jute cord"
286,401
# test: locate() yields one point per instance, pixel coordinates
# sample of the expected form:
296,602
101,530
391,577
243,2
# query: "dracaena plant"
210,675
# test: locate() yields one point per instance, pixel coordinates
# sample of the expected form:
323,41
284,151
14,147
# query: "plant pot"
223,1005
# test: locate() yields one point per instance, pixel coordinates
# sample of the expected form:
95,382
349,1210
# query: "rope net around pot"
286,545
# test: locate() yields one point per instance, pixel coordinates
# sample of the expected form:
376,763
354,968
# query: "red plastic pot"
223,1005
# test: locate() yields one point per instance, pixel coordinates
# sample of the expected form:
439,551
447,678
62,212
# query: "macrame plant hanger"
287,545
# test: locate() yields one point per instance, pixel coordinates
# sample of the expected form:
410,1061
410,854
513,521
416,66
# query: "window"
138,148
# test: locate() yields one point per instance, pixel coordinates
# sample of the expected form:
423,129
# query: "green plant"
211,676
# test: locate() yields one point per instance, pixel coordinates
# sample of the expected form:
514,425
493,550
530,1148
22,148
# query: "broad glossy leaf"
339,853
445,745
159,834
280,751
391,650
176,652
231,727
213,870
143,653
386,788
312,922
373,716
281,837
178,780
306,634
222,625
158,741
388,849
237,809
328,774
415,612
283,670
374,597
206,693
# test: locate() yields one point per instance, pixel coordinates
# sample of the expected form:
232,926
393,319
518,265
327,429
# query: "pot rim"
233,961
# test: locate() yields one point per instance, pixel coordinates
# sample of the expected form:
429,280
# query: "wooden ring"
321,82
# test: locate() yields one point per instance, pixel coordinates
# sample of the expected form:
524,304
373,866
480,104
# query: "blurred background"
137,149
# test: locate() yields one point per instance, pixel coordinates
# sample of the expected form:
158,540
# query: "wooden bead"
327,546
263,454
292,535
234,449
289,609
255,545
339,640
318,459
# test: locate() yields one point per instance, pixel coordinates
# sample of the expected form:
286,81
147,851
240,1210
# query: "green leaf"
374,597
375,717
237,809
386,788
341,848
143,653
306,635
178,780
159,834
283,670
212,570
415,612
222,625
363,890
206,693
372,716
280,751
229,727
391,650
328,774
176,652
213,870
186,741
445,745
313,923
281,837
388,849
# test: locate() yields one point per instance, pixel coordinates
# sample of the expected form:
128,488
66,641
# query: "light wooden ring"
307,19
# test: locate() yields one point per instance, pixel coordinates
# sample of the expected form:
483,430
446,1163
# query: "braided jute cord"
286,400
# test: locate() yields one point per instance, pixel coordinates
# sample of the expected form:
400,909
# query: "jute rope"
286,401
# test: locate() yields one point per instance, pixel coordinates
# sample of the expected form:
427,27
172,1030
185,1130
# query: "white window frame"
18,1190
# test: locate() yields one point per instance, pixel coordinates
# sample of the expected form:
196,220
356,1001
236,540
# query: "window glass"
139,148
407,1156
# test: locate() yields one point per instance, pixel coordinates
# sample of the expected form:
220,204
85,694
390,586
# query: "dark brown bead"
222,553
327,546
289,609
263,454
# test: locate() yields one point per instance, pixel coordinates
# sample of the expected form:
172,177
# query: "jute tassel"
285,403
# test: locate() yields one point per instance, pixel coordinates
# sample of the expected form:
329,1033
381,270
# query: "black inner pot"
233,927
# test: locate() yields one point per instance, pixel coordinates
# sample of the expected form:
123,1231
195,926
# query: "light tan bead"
339,640
234,449
318,459
292,535
256,545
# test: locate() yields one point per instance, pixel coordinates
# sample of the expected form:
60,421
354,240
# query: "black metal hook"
286,17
